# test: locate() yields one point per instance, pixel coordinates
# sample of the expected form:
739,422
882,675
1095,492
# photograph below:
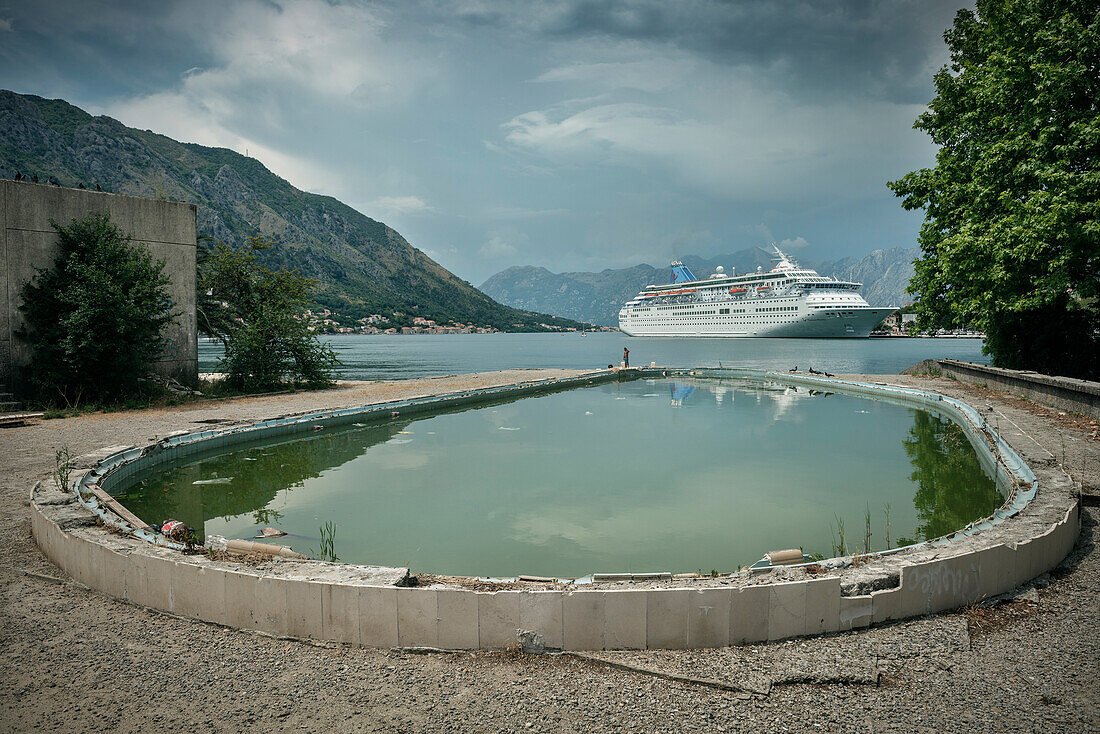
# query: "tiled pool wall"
338,603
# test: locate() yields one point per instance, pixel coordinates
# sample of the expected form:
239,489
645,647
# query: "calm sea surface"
397,357
648,475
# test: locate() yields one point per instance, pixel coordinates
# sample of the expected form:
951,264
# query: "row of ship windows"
725,311
761,319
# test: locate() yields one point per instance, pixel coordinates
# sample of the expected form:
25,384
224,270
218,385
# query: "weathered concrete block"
240,598
541,611
378,616
886,605
497,619
417,613
198,592
624,613
996,570
709,618
583,620
667,618
158,579
340,613
942,584
749,609
458,619
113,569
786,610
822,606
269,609
303,609
855,612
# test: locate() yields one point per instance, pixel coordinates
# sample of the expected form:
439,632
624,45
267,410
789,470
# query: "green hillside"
362,266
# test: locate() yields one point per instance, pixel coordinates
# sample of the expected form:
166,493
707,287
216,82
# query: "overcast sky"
574,135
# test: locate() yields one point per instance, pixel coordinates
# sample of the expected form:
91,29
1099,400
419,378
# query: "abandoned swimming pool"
648,475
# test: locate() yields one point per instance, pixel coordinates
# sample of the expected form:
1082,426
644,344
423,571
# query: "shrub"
256,314
94,319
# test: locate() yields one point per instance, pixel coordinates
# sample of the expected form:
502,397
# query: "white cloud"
268,60
496,247
650,75
793,244
177,117
389,205
728,139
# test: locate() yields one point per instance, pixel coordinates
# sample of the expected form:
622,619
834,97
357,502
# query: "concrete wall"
27,241
1064,393
306,605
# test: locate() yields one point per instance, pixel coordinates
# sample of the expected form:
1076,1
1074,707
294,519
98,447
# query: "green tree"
1011,238
93,320
256,314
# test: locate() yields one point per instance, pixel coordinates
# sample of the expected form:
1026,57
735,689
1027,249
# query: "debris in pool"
218,480
271,533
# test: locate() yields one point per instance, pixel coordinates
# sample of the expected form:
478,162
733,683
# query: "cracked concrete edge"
361,604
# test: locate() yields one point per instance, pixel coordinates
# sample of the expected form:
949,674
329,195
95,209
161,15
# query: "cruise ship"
786,301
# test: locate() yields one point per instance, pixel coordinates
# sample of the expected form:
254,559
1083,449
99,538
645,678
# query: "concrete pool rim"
365,605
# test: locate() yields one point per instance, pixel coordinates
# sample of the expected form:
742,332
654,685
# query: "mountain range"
361,265
597,297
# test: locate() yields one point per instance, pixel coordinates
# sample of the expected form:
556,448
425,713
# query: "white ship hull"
786,302
856,326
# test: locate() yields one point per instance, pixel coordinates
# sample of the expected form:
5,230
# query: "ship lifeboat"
764,288
735,290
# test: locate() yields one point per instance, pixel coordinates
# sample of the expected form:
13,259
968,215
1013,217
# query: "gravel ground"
72,658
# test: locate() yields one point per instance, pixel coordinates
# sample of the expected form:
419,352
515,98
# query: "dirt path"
74,659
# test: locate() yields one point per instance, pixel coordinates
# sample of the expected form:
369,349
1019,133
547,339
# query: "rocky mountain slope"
361,265
597,297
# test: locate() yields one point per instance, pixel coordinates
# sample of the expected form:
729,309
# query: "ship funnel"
681,273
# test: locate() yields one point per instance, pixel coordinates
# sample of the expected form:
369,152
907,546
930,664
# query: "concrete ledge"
1064,393
361,605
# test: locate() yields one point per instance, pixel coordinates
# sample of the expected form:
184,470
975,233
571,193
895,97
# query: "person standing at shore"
626,357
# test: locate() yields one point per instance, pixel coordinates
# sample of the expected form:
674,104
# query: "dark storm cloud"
882,50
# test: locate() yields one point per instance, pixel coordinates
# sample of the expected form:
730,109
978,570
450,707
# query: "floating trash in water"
250,458
404,431
588,412
270,533
401,440
506,428
864,411
219,480
431,433
359,425
652,395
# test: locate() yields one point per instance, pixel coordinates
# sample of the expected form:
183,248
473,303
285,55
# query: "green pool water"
656,475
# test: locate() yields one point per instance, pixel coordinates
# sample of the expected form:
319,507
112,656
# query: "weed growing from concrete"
62,468
886,513
840,548
328,542
867,529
